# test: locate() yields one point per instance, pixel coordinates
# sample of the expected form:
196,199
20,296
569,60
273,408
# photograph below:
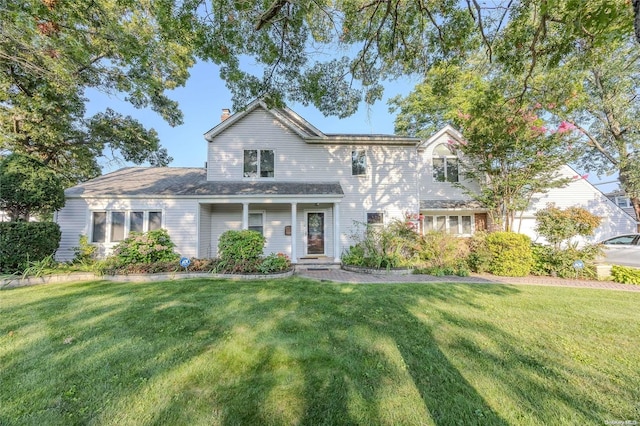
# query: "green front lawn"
296,351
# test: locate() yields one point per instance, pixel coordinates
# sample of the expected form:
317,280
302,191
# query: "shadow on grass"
219,352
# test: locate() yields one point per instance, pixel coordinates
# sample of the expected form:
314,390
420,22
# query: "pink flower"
463,115
539,153
538,129
551,105
565,126
585,177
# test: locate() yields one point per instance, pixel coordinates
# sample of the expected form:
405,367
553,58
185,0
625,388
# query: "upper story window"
114,226
258,163
623,202
445,164
358,162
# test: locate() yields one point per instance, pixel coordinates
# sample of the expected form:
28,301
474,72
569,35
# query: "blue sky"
204,97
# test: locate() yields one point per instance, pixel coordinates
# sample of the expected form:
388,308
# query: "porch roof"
178,181
450,204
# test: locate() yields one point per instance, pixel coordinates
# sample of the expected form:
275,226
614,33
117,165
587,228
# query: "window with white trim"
375,219
623,202
445,164
358,162
256,222
451,224
113,226
259,163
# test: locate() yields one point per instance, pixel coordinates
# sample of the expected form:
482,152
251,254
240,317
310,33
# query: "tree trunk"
635,202
636,21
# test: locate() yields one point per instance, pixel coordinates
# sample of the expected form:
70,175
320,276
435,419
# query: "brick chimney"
226,113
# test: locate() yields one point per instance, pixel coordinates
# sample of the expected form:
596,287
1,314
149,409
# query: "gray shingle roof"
449,204
179,181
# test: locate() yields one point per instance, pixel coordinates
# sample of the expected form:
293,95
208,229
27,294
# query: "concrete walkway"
342,276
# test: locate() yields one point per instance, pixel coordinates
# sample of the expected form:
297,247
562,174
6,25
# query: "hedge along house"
306,191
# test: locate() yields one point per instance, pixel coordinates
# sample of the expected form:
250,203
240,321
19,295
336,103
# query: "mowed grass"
296,351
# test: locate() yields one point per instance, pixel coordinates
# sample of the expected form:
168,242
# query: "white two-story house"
306,191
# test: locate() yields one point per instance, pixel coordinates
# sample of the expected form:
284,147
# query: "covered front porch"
306,230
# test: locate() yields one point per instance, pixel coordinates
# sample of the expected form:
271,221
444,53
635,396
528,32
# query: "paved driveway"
342,276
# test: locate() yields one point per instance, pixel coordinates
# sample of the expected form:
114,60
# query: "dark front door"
315,233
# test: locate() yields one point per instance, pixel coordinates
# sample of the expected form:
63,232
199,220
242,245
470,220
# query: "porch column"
294,232
245,216
336,231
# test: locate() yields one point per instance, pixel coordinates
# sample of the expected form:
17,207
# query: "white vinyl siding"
390,184
178,217
204,234
579,193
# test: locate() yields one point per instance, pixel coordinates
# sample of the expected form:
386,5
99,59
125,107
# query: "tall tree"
509,153
336,54
597,90
51,51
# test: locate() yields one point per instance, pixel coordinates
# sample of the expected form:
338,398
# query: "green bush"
150,247
443,251
559,226
479,259
625,275
240,252
275,263
24,242
85,252
557,262
354,255
510,254
392,246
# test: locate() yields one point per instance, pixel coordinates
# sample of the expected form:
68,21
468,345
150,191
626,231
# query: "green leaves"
55,50
509,150
28,187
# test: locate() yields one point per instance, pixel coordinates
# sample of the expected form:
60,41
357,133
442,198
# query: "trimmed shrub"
240,251
24,242
510,254
151,247
556,262
625,275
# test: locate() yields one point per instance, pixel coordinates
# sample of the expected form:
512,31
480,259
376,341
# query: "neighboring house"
306,191
621,200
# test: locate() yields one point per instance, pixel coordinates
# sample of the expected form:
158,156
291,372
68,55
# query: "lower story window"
117,226
452,224
99,233
256,222
375,219
114,226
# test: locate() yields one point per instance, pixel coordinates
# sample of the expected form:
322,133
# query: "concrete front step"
317,264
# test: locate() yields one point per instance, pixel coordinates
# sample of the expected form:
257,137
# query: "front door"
315,233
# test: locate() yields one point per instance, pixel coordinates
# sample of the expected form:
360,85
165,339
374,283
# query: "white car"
622,250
